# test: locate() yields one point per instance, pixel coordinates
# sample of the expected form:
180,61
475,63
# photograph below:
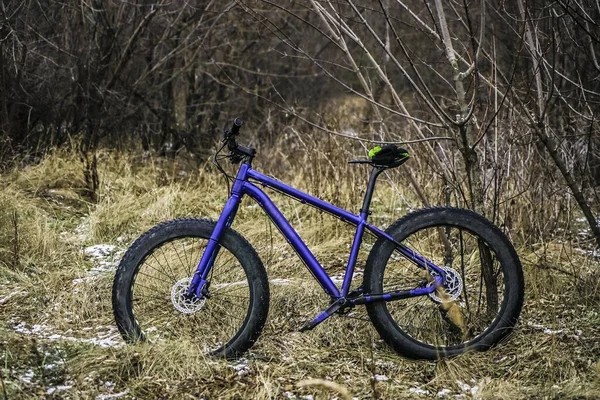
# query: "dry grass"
57,335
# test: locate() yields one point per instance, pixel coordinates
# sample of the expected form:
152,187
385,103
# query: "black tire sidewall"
171,230
465,219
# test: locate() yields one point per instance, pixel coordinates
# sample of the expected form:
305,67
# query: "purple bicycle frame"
242,186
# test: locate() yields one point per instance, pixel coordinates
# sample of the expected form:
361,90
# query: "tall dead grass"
48,279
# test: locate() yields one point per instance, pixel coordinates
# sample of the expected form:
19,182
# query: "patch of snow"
108,396
107,338
14,293
35,329
27,377
99,250
241,367
378,377
443,393
419,391
290,395
553,332
465,387
592,253
385,364
280,281
59,388
104,257
340,278
545,330
82,230
53,365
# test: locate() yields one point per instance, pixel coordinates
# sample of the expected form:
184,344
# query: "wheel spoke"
475,278
213,322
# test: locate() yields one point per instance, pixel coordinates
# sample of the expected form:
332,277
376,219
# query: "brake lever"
226,135
235,158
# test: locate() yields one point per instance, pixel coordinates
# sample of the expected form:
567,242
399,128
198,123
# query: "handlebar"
235,127
231,133
237,152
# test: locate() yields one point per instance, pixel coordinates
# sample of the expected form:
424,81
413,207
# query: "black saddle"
388,156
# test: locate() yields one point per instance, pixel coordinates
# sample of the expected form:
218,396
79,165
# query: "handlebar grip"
235,128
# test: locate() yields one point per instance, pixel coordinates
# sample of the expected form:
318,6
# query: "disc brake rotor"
453,285
181,301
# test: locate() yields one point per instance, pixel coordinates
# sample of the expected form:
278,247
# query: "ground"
58,339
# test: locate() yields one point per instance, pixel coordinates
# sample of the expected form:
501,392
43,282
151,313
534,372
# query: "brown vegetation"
58,335
109,111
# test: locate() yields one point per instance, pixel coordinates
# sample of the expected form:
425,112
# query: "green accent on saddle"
374,151
405,154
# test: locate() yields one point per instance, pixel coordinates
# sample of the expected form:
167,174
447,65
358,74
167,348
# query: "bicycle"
437,282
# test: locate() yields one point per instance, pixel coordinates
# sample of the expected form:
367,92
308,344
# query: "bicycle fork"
198,286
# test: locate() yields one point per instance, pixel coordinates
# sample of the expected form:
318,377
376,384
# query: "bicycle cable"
215,161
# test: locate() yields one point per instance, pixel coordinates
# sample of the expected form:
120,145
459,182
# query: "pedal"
333,307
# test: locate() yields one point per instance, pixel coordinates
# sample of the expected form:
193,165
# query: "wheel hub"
182,301
453,285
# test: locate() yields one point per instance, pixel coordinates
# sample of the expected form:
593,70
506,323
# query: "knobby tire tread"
201,228
412,348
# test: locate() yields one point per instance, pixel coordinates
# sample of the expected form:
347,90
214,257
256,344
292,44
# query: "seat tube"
360,230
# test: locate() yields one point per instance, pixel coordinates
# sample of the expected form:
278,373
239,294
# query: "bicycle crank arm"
333,307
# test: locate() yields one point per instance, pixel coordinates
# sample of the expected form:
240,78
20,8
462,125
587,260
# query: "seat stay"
407,252
348,217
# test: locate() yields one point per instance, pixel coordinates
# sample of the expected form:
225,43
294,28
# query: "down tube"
293,238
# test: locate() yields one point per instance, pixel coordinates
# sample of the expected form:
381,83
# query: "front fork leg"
199,285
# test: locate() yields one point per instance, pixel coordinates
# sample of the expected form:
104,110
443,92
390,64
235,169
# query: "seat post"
370,188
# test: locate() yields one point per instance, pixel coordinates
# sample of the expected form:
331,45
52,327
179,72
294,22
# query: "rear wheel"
483,292
149,301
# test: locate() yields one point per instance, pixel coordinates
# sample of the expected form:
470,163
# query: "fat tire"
468,220
200,228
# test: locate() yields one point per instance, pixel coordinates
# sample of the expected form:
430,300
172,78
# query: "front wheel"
482,295
149,301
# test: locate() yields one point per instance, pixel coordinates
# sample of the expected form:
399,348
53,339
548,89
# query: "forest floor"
58,339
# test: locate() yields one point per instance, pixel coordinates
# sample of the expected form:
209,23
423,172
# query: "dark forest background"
111,112
499,99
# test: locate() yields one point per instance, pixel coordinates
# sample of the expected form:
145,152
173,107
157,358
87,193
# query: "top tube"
304,198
